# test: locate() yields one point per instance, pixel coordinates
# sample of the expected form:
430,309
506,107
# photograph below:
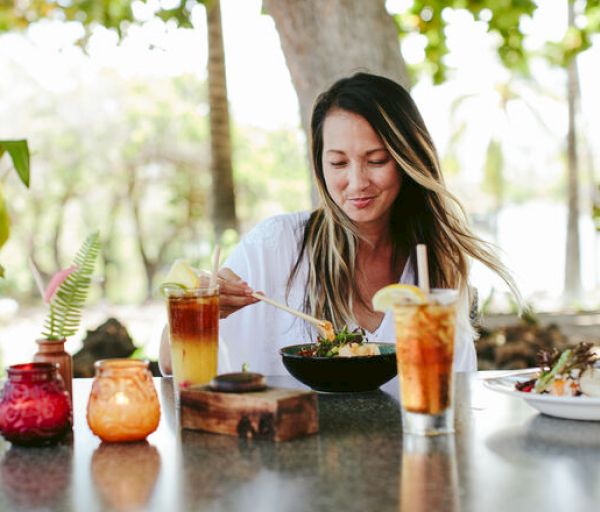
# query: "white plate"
570,407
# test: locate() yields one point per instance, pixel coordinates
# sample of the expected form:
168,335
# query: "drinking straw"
422,268
215,265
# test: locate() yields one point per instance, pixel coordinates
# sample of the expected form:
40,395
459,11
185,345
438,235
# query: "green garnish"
330,348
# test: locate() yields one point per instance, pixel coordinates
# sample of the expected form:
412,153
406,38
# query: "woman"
382,192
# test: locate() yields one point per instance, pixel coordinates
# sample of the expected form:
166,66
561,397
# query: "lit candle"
123,404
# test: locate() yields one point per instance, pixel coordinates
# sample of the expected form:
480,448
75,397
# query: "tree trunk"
324,40
223,211
134,199
37,209
592,199
107,248
572,261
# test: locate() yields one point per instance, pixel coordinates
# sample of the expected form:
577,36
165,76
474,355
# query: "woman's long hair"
424,211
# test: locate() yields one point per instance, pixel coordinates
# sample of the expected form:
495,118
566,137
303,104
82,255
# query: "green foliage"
18,151
109,13
181,14
112,14
500,16
577,38
529,316
66,306
139,353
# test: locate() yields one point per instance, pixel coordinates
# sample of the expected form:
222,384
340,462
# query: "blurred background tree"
136,165
157,158
118,16
505,18
352,35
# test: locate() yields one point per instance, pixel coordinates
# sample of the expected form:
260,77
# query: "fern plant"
67,302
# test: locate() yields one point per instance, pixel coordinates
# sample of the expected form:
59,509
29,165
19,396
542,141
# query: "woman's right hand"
234,293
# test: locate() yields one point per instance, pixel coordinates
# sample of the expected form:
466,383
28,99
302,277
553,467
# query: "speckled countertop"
504,456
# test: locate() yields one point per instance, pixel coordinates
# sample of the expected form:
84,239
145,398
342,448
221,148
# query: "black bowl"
341,374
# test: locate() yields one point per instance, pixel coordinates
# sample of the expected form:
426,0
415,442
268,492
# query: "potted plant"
66,294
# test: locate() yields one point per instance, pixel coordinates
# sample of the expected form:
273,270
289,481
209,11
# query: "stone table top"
504,456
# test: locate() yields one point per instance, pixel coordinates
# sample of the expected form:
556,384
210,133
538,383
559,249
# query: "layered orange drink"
193,311
425,328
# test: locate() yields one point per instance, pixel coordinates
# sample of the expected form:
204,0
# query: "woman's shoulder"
278,229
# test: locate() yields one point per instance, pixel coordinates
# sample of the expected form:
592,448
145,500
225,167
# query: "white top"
255,333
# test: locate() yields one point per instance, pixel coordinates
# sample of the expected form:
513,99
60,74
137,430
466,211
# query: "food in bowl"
572,372
341,374
345,343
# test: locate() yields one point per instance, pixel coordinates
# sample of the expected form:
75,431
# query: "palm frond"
66,306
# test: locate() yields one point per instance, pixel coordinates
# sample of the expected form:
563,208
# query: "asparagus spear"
543,381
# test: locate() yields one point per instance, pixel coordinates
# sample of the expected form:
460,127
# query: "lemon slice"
392,294
181,275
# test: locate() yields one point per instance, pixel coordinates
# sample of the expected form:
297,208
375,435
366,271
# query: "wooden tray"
275,414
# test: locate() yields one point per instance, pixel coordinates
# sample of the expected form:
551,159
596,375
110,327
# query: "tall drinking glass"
425,352
194,332
429,475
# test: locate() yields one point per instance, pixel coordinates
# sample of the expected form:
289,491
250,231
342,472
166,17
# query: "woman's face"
360,175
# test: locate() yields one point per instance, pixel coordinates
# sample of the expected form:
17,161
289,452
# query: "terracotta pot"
53,351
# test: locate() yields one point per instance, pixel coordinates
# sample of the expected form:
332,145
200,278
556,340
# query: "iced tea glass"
194,333
425,352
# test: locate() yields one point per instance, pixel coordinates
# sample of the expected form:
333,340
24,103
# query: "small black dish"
239,382
341,374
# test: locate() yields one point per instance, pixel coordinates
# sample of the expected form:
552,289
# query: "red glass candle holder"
35,408
36,479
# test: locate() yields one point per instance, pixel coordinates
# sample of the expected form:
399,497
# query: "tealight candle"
123,404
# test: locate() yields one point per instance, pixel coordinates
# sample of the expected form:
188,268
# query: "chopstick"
324,326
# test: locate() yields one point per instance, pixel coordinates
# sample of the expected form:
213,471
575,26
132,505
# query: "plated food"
565,386
572,372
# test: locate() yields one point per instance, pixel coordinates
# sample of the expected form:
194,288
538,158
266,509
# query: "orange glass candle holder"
123,405
121,488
